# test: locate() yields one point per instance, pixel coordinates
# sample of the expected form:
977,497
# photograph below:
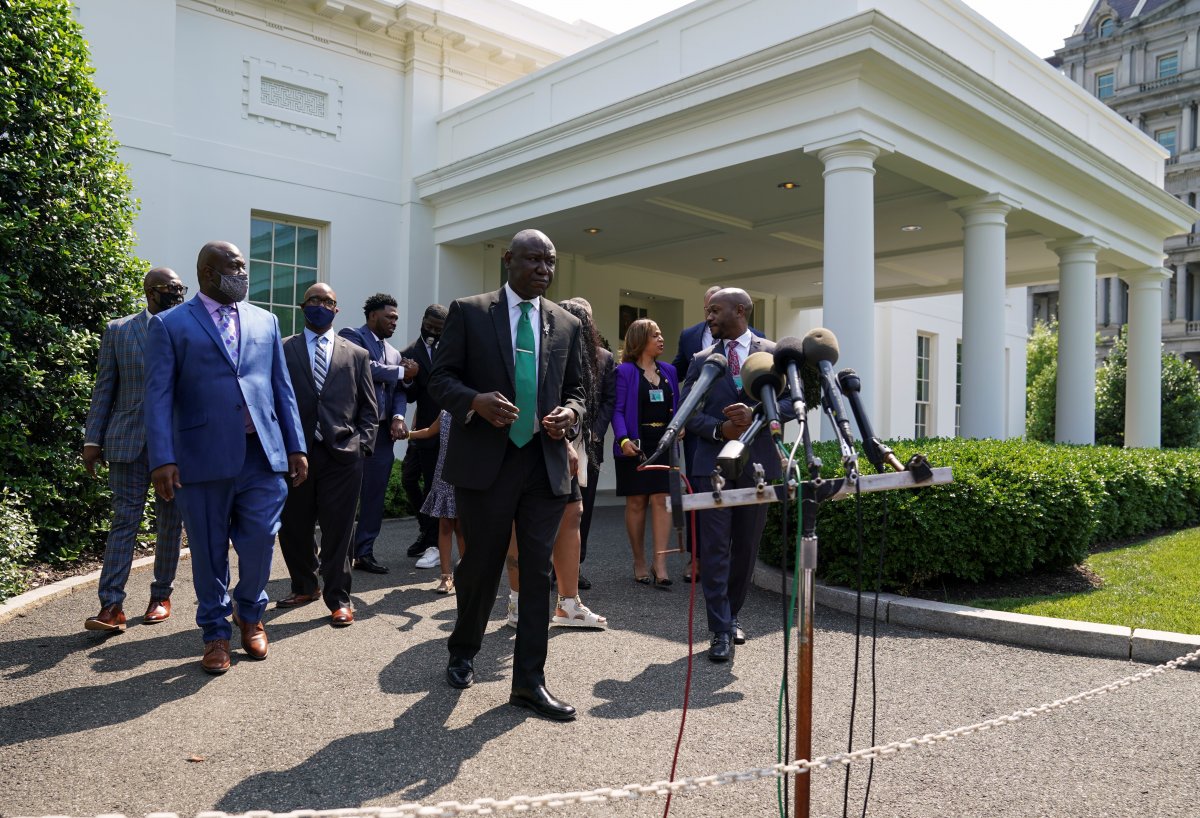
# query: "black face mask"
167,300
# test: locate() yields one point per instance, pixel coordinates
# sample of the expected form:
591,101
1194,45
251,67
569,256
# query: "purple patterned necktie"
735,365
228,332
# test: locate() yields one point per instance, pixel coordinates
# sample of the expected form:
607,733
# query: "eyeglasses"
324,302
177,289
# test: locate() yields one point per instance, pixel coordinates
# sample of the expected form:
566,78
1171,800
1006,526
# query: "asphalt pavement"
335,718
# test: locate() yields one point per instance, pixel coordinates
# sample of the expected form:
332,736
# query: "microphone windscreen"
719,361
820,345
788,350
757,372
849,381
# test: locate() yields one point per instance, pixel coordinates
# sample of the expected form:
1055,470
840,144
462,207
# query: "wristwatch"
718,432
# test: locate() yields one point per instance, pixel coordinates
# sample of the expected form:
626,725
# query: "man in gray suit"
116,430
336,399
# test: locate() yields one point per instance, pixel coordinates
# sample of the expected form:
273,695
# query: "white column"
1181,292
1143,379
848,294
983,384
1075,408
1185,128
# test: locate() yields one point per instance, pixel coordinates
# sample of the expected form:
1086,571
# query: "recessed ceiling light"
591,231
911,228
788,185
720,259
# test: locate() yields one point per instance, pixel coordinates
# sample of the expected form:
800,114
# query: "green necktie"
521,432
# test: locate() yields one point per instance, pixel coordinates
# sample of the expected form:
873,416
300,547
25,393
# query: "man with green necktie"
509,370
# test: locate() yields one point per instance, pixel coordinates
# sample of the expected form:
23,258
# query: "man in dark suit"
606,403
728,537
509,370
223,434
116,429
388,371
421,459
336,399
692,340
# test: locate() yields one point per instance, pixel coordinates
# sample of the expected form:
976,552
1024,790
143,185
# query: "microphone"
876,450
762,382
714,368
821,353
789,362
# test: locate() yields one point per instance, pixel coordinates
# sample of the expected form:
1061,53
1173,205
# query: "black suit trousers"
416,475
329,496
589,503
728,548
521,495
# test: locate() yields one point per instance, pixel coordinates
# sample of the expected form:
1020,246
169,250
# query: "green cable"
795,590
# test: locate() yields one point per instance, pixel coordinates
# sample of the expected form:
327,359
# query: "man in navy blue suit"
391,373
223,435
728,537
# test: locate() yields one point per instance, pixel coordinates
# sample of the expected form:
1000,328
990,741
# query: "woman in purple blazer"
647,396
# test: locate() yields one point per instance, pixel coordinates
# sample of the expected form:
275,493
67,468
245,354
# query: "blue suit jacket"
386,371
709,415
195,397
115,421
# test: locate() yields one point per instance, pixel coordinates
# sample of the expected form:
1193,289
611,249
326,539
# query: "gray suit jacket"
116,421
345,408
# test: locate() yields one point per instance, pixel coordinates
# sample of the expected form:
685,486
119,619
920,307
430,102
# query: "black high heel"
663,583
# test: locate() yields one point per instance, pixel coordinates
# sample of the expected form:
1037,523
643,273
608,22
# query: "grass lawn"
1150,584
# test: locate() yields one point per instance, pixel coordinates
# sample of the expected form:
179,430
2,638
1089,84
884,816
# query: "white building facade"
856,165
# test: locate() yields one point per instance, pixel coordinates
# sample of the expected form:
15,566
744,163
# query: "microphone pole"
876,450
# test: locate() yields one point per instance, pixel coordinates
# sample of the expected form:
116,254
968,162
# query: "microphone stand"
806,604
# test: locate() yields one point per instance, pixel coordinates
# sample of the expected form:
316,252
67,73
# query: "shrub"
66,238
1013,507
18,539
395,502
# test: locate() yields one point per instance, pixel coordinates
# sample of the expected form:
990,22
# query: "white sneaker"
430,558
576,615
512,609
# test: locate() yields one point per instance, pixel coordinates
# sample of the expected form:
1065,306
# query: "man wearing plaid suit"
116,431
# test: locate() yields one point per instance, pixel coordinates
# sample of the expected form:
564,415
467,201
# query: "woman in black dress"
647,396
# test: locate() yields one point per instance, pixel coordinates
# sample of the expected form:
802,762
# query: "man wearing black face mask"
421,458
116,428
338,413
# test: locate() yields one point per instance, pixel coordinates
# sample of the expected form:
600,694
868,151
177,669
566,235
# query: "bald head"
728,313
530,261
163,289
319,306
221,271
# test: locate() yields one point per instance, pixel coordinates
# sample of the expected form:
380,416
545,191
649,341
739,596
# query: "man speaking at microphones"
728,537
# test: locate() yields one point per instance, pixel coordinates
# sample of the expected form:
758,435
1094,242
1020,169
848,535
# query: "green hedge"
1014,507
396,502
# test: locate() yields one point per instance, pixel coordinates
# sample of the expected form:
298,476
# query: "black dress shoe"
721,649
739,635
585,584
539,700
369,565
460,673
417,549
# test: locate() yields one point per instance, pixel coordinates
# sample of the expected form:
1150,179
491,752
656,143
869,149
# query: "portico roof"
673,139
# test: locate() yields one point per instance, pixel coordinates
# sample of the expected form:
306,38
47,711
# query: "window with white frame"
284,262
1167,137
1105,85
922,417
1167,65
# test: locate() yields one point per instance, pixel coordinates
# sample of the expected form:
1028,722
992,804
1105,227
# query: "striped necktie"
320,370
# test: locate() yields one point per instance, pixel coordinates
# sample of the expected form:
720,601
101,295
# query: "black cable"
874,645
857,642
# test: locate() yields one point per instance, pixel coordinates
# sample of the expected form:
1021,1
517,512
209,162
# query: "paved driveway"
338,718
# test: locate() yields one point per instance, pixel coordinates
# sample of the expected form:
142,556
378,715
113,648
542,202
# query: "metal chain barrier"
630,792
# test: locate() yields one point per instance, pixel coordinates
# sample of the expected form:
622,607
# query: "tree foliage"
1041,382
66,241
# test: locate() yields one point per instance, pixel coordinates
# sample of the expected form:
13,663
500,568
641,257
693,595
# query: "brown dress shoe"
216,656
157,611
296,600
111,619
254,638
343,616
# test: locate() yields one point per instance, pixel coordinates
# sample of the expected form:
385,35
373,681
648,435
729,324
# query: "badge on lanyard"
656,395
737,381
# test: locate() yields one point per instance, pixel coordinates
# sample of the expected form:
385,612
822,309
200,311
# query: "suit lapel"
297,350
200,314
547,330
499,313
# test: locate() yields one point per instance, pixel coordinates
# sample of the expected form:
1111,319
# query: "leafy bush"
395,503
66,238
1013,507
1180,400
18,539
1041,382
